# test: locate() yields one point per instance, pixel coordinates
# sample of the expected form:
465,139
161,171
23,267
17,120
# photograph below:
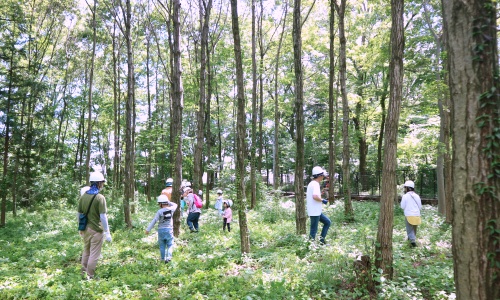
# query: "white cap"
410,183
318,171
96,177
162,199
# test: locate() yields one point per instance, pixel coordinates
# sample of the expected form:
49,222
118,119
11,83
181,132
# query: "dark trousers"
192,220
224,223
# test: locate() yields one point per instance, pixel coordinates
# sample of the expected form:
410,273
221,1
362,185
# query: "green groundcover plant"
40,253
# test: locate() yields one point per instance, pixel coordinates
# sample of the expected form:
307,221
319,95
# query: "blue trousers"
192,220
166,241
314,226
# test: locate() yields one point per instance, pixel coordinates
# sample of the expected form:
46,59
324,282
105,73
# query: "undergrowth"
40,252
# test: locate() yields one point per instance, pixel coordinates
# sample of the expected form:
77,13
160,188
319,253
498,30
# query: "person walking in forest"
411,204
164,217
314,205
167,191
218,202
93,205
193,211
227,216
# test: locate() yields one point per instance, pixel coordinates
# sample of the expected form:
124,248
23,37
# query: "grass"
40,252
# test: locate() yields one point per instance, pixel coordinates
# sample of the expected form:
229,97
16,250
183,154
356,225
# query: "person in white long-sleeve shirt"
411,204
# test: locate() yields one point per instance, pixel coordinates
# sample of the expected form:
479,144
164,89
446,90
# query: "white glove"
107,236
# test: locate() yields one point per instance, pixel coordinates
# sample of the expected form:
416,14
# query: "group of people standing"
93,204
410,203
167,208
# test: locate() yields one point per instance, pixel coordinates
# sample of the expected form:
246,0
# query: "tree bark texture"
89,104
383,248
129,119
300,209
475,104
240,134
177,107
346,182
205,8
253,163
332,158
277,114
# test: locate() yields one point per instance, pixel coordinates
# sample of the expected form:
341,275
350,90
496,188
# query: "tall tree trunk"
91,81
253,192
210,140
380,141
129,115
177,107
331,106
441,181
205,8
116,114
3,210
346,185
300,209
472,44
383,248
276,150
240,134
150,125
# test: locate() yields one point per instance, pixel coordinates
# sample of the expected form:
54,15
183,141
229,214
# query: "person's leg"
224,224
190,221
95,251
170,245
410,231
326,225
162,242
86,251
314,227
195,221
228,227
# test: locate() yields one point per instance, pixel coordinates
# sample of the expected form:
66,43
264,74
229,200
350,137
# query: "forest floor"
40,252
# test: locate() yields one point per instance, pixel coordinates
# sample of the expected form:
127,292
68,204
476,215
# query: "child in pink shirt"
227,216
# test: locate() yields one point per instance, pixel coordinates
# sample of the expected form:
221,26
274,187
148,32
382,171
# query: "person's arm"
403,202
105,226
152,223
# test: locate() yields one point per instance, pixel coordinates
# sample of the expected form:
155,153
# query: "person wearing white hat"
218,202
314,205
164,217
93,205
411,204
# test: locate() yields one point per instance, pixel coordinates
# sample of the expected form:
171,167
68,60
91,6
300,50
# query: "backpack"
197,201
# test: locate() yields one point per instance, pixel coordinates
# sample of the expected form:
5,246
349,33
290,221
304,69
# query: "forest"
248,96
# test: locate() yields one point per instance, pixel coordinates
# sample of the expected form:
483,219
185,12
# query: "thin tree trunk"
6,142
177,107
277,117
205,8
129,116
300,211
472,42
383,248
150,125
91,81
240,134
331,106
253,192
346,185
